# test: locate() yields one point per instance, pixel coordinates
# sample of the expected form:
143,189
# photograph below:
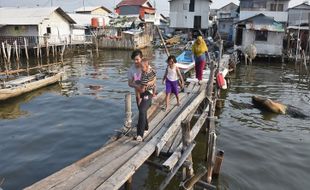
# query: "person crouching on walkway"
171,78
199,50
147,91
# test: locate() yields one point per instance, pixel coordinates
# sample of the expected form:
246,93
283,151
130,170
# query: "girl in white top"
171,78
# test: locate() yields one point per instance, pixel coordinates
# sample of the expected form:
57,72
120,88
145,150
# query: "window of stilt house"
261,35
192,6
48,30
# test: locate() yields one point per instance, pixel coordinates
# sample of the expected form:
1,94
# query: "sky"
70,5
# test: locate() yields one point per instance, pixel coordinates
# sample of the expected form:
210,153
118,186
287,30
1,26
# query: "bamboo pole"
128,110
162,39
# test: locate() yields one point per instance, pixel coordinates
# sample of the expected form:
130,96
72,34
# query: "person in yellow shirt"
199,50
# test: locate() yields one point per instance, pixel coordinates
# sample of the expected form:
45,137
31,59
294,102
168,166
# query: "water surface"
48,129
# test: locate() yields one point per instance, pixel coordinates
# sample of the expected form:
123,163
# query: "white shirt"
172,74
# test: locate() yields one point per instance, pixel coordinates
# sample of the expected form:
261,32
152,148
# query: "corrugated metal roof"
91,8
131,2
29,16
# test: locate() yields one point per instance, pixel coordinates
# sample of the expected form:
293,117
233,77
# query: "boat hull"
185,61
17,91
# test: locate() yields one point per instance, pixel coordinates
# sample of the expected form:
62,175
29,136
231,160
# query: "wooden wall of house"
12,33
60,29
181,17
19,30
273,45
297,16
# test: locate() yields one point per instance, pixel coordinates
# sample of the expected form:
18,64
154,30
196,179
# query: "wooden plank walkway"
112,165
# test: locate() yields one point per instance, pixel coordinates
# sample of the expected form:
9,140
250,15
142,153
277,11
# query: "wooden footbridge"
170,137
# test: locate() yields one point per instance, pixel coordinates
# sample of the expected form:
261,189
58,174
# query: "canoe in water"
27,84
185,61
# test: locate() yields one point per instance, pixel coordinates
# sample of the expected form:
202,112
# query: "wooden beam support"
173,159
205,185
174,126
184,156
189,184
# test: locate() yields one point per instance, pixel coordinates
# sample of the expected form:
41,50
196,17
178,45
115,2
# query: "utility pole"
51,3
84,4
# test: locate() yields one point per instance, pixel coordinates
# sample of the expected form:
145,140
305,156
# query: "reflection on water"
11,109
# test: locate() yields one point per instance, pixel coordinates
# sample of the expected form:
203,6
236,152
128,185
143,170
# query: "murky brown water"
44,131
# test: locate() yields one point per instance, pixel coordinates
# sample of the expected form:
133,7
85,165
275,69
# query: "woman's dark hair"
172,57
136,53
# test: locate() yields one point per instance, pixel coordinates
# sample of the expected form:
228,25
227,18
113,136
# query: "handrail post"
188,171
128,112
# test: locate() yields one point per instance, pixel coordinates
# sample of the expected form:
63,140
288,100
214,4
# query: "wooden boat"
26,84
185,61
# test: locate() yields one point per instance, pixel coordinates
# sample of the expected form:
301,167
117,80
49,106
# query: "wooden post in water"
218,162
5,59
128,110
38,51
210,126
53,50
189,184
188,171
97,45
4,52
211,149
128,184
9,51
16,51
47,49
41,53
62,53
26,49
